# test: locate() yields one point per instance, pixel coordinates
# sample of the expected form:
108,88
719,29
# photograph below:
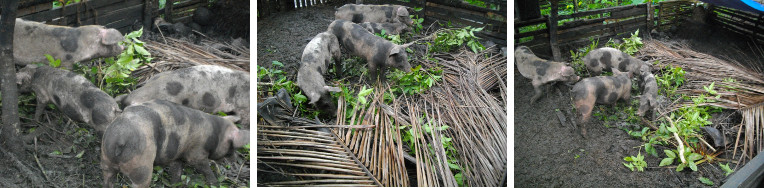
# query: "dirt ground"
282,37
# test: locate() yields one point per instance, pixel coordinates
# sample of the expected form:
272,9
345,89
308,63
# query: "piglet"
610,58
542,71
73,94
647,101
208,88
160,132
33,40
316,57
378,52
374,13
600,90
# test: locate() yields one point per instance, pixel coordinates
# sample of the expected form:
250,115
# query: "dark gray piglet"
608,58
374,13
316,57
33,40
647,101
542,71
378,52
600,90
161,133
73,94
208,88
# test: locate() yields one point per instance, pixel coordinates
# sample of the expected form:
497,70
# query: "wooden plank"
133,12
33,9
87,19
445,19
580,31
70,9
530,22
187,3
600,11
462,14
148,15
735,23
468,6
748,176
532,33
735,11
737,15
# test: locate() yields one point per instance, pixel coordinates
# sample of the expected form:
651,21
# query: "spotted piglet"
316,57
647,101
73,94
600,90
33,40
160,132
374,13
389,28
208,88
610,58
542,71
378,52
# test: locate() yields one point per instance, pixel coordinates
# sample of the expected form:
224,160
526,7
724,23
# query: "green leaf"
631,166
364,92
670,153
277,63
629,159
694,157
672,129
693,166
300,98
666,161
454,166
680,167
142,51
706,181
79,155
726,168
459,179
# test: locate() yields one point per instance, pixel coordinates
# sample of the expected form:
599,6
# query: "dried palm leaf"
171,54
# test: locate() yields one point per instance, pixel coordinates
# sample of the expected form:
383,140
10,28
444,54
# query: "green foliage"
630,45
706,181
52,62
114,76
577,56
449,39
392,38
637,162
670,79
278,80
417,22
61,3
245,151
726,168
416,81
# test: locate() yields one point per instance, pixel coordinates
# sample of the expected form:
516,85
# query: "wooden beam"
553,31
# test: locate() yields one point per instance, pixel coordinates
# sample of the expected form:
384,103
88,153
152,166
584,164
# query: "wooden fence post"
552,23
147,13
168,11
649,17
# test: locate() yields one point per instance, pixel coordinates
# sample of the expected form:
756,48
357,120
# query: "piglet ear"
240,138
332,89
402,11
110,36
395,50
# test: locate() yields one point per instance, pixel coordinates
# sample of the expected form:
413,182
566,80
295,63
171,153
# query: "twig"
160,32
38,161
709,145
680,144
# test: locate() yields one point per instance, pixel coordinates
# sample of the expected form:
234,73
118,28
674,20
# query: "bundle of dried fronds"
702,69
753,135
477,118
171,54
367,154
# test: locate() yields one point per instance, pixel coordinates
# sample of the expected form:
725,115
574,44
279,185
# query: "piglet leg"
204,168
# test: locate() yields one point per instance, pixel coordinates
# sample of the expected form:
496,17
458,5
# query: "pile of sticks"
701,69
171,54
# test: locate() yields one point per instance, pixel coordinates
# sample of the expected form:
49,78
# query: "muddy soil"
282,37
550,154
